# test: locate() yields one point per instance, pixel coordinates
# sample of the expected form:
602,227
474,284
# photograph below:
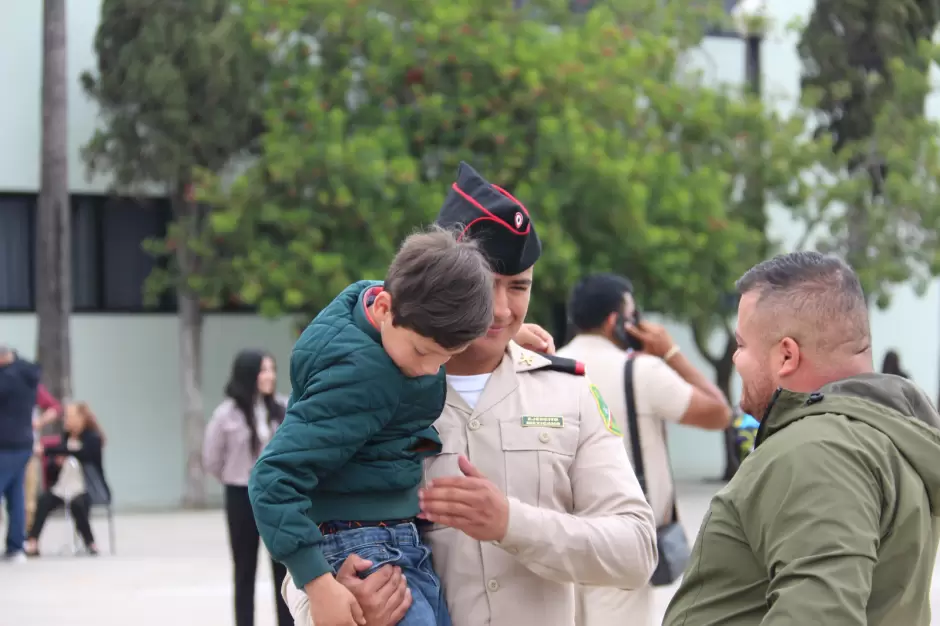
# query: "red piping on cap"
511,197
489,217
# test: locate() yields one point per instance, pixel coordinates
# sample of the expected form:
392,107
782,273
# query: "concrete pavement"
171,569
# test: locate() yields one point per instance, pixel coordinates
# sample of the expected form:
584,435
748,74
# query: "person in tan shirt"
667,389
533,492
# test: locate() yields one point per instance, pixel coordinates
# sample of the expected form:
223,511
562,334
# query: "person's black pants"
80,506
244,540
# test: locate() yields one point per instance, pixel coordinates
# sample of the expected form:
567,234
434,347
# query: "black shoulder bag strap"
638,466
634,431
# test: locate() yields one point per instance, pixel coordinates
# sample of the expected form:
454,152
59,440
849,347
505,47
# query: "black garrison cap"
492,217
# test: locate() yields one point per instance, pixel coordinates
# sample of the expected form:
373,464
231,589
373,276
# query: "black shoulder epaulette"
561,364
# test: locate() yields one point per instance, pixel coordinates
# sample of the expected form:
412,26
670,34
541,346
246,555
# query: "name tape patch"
543,421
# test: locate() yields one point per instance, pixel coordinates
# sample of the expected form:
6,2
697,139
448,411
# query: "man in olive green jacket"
833,518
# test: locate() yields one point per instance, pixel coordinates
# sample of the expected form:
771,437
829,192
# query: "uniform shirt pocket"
537,462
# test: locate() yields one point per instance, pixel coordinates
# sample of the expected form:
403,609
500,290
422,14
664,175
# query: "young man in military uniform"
533,492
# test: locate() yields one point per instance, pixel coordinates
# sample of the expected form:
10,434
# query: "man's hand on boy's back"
332,604
384,595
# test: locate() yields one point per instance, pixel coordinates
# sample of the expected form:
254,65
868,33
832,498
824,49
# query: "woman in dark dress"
82,441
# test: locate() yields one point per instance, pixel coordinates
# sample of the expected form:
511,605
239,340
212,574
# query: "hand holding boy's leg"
384,595
332,604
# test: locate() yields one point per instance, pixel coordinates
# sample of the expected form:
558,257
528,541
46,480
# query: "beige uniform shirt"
660,395
577,514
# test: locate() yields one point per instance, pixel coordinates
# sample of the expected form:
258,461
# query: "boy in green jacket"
341,474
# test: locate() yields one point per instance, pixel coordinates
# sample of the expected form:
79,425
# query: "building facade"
125,355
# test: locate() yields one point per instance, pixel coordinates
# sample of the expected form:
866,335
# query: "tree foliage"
866,75
178,85
628,161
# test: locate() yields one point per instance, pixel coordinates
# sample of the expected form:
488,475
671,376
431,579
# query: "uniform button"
474,424
544,437
492,585
512,550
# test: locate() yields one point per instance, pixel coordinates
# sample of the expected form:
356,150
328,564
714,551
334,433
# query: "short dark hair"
819,293
594,298
441,288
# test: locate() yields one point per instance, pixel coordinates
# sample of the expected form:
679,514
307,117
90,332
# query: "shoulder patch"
604,410
561,364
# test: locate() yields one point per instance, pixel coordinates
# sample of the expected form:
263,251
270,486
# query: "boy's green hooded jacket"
831,520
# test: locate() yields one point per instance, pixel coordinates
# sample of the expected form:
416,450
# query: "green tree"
868,82
178,85
628,159
590,119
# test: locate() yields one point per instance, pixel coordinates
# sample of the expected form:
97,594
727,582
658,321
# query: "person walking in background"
239,429
18,382
892,365
68,463
833,518
665,388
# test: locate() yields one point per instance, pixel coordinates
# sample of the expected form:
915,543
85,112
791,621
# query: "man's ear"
610,322
790,356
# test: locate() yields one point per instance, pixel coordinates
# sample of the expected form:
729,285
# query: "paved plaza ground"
170,569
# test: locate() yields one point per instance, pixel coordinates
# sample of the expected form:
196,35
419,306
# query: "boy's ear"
382,307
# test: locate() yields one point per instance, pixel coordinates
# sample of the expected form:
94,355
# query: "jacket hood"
890,404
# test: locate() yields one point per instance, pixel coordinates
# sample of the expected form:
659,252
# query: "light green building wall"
125,366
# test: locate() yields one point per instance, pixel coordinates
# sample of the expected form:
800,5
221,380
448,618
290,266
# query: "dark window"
86,253
125,225
17,245
109,264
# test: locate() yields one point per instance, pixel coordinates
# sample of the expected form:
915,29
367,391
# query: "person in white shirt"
667,388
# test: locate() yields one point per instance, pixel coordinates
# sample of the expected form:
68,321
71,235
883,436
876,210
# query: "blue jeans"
395,545
13,489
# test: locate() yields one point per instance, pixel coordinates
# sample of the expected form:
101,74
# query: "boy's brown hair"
441,288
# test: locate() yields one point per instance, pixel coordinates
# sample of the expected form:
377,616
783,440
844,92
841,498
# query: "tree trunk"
54,231
186,214
724,370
